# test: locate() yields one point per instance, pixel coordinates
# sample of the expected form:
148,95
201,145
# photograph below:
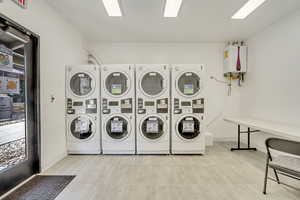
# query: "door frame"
36,167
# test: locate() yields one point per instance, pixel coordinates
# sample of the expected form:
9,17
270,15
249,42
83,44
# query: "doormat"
41,188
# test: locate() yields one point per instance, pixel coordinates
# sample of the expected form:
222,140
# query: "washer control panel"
190,106
88,106
117,106
141,109
153,106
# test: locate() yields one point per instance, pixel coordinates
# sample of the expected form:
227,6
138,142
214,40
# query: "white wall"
271,90
61,44
209,54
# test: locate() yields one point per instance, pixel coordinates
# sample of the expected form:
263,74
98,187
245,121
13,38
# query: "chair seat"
286,164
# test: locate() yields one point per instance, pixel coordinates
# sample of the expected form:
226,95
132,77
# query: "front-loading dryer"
118,109
188,114
82,109
153,105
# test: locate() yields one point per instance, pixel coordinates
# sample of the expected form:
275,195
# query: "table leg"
239,140
239,136
248,137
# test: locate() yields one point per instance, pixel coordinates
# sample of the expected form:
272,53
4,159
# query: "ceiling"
143,21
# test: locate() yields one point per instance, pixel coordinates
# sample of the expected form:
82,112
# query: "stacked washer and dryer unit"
82,110
188,116
136,116
118,109
153,106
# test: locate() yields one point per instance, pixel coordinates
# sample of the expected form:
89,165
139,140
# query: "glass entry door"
19,120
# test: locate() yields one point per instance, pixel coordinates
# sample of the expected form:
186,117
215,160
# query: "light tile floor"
219,175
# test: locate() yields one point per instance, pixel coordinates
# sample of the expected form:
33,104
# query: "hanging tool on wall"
235,61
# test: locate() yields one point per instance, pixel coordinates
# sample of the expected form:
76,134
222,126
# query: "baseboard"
261,149
225,139
255,145
120,152
84,152
53,162
153,152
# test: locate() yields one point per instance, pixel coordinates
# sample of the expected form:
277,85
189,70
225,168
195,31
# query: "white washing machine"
82,109
153,109
188,114
118,109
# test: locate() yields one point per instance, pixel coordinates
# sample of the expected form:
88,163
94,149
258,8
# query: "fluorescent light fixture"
172,8
247,9
112,8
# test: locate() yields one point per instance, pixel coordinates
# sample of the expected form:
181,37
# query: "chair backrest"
286,146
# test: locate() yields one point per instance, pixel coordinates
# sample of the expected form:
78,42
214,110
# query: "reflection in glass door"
19,104
12,103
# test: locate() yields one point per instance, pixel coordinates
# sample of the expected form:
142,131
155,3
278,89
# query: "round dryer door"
188,127
152,83
117,127
82,128
117,83
152,128
188,84
81,84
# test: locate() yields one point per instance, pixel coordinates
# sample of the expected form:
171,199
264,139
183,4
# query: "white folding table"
257,125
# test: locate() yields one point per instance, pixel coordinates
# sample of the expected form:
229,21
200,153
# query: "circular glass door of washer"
152,128
117,127
189,127
81,84
116,83
189,84
82,128
152,83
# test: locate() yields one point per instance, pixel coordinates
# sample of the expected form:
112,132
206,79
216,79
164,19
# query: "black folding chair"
287,164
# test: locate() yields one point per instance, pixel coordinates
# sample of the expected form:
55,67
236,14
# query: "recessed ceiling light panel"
112,8
247,9
172,8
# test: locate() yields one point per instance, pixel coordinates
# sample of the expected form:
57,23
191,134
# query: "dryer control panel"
88,106
117,106
189,106
153,106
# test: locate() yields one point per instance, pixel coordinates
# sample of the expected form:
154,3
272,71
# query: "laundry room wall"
61,44
209,54
271,89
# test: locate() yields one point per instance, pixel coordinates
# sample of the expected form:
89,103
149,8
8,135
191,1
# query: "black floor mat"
41,188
